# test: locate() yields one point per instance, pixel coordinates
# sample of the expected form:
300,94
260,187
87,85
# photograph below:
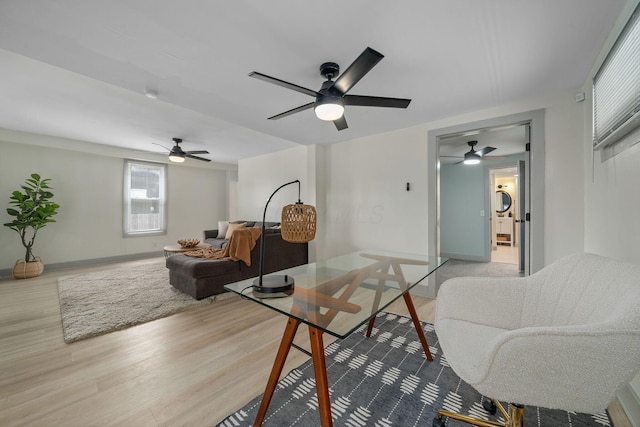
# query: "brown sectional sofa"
202,278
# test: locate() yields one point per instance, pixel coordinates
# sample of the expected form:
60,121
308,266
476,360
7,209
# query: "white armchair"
566,337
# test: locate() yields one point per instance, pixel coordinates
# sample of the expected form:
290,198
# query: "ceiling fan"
176,154
332,97
473,156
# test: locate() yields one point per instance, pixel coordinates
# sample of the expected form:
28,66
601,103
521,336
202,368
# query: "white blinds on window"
616,87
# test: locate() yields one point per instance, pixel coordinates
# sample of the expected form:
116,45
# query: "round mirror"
503,201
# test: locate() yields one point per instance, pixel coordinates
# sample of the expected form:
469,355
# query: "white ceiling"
79,69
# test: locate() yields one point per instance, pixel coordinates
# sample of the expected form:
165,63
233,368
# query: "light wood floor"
190,369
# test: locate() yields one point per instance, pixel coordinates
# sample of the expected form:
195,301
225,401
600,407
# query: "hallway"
505,254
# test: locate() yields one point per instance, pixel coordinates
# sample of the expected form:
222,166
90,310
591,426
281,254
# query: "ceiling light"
176,157
471,159
151,94
329,108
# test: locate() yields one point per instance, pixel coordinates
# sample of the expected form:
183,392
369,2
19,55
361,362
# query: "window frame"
127,199
624,117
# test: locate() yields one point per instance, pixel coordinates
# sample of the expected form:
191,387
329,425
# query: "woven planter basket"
298,223
27,270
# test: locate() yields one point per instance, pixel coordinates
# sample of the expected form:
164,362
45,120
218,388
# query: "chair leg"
514,418
516,415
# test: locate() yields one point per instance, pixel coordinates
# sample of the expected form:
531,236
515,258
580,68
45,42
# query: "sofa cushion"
233,227
216,243
248,223
267,224
222,229
200,267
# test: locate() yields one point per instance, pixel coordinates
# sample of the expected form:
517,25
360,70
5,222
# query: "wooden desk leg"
278,364
320,371
416,322
372,322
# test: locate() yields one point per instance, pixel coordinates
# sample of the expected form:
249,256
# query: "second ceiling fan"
177,154
332,97
473,156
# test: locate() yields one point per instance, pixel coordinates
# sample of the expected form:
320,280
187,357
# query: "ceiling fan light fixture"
329,108
176,157
151,94
471,159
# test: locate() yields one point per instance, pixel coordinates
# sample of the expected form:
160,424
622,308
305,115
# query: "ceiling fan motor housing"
329,70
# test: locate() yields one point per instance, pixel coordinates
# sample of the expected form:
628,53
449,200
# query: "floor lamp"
298,225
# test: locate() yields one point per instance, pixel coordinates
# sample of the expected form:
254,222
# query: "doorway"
531,223
505,242
478,199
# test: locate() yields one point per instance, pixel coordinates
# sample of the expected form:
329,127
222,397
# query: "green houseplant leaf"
31,210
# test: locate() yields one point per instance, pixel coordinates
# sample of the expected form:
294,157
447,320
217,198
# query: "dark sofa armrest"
210,234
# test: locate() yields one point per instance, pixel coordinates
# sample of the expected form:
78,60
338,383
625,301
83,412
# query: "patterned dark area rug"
385,380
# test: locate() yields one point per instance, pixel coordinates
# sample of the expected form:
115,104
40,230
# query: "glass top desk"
338,296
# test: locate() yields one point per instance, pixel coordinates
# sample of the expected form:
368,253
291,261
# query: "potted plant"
32,210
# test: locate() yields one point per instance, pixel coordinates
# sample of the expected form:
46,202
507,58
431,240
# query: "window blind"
616,87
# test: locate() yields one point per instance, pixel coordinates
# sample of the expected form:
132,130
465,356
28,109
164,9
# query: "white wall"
89,188
462,197
368,206
402,156
260,176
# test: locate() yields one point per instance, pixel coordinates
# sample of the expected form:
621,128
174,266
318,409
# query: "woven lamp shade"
298,223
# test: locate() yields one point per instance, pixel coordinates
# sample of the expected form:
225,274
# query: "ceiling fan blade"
191,156
485,151
197,152
282,83
454,157
341,123
292,111
376,101
160,145
357,70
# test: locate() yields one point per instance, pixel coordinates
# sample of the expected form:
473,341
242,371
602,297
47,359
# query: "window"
144,198
616,87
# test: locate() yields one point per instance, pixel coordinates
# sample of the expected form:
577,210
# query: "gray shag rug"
386,380
109,300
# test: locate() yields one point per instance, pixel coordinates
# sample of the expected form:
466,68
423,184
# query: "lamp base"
275,284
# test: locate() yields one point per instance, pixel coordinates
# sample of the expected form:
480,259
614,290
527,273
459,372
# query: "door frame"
535,118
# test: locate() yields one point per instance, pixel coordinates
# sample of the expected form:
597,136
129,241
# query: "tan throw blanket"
240,244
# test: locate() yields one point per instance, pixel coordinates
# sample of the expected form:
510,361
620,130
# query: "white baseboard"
88,262
464,257
630,400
